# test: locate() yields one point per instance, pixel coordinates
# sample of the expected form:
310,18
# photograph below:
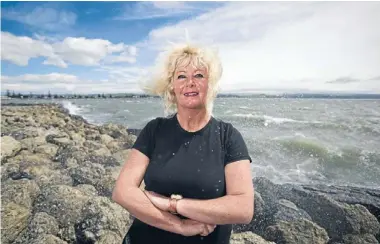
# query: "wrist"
173,203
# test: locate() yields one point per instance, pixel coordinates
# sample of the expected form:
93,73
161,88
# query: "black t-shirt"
190,164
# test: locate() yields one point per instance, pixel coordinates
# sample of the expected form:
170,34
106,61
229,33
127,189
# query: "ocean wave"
266,119
328,156
305,159
73,109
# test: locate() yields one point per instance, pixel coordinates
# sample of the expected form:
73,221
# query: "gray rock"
109,237
10,170
338,218
88,173
105,160
370,198
87,189
14,219
101,215
32,143
288,211
92,145
42,223
248,238
48,239
362,239
48,149
63,202
59,140
105,139
122,156
9,147
22,192
300,231
69,154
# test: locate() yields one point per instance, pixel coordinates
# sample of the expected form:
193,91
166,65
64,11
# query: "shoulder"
227,128
158,122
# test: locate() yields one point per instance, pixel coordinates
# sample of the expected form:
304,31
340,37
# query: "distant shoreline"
139,96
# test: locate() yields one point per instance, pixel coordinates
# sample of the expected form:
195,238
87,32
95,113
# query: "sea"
290,140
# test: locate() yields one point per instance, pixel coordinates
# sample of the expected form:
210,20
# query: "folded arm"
236,207
128,194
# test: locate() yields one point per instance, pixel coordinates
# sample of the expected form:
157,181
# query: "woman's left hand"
161,202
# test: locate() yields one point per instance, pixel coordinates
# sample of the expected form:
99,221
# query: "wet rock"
88,173
113,130
92,145
59,140
101,215
48,239
9,147
109,237
70,156
106,139
106,160
288,211
89,190
338,218
14,219
248,238
10,170
48,149
32,143
42,223
362,239
370,198
122,156
301,231
22,192
63,202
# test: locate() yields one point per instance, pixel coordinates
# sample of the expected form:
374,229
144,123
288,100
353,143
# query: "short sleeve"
145,140
236,148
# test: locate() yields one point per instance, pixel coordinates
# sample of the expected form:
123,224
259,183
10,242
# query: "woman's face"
190,86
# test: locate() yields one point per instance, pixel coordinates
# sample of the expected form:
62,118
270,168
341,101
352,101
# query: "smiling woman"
196,168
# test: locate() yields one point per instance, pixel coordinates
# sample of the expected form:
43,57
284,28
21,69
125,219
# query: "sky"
265,47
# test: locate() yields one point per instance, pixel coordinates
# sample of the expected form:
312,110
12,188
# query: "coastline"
58,173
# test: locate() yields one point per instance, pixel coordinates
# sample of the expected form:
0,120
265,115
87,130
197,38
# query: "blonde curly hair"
161,83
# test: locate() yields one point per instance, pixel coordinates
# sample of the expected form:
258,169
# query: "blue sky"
91,47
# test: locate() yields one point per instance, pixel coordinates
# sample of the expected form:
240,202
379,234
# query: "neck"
193,119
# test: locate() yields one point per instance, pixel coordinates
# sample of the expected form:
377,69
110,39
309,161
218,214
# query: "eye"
199,76
181,77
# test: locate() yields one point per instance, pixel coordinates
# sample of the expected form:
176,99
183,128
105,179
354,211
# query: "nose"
190,82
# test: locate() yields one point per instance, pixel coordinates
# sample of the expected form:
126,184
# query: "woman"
196,168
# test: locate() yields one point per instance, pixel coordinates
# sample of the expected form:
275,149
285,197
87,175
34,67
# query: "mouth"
191,94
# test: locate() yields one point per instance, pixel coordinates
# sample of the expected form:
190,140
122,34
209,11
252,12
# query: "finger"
210,228
207,229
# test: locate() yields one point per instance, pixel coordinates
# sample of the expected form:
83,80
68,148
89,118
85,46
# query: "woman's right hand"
191,227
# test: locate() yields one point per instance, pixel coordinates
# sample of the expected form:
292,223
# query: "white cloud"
279,45
40,17
39,79
19,49
164,9
119,80
72,50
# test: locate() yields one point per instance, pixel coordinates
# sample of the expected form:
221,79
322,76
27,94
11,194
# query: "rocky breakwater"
318,214
58,172
57,175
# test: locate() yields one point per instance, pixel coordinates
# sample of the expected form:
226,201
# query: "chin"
197,105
